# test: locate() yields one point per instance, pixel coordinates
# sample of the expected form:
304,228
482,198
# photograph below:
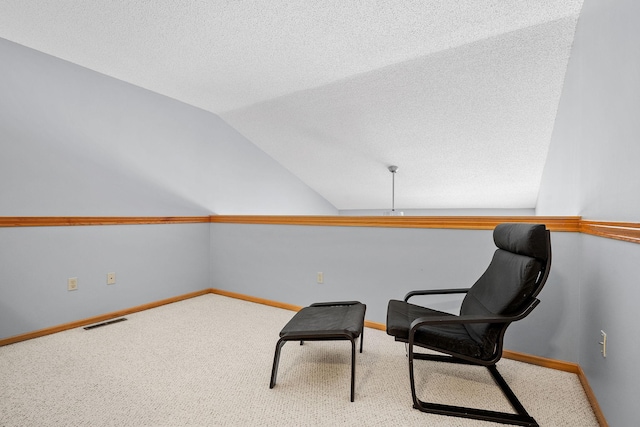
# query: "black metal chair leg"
521,417
353,369
509,394
276,361
409,349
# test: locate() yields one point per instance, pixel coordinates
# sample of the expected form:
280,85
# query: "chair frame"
521,417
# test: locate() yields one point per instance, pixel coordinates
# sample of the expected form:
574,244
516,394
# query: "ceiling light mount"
393,169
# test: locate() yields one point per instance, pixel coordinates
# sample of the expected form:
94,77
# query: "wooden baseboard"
99,318
592,398
561,365
508,354
375,325
255,299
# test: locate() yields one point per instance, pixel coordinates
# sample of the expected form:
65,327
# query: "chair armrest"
473,318
436,292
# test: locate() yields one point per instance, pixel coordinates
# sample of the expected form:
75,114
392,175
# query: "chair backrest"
516,275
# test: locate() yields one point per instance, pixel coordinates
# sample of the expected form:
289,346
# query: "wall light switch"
111,278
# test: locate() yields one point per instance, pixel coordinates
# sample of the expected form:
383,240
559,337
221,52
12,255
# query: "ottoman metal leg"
276,361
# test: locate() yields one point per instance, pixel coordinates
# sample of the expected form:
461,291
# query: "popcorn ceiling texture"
461,95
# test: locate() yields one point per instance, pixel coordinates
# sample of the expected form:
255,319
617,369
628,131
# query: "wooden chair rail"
627,231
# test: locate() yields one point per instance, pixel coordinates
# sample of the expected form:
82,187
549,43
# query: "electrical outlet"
603,343
72,284
320,277
111,278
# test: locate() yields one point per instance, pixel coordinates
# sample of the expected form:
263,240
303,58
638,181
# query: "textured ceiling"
461,95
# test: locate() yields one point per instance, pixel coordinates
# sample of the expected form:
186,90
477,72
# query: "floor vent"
122,319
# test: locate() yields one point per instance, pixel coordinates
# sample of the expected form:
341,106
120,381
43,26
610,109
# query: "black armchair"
505,293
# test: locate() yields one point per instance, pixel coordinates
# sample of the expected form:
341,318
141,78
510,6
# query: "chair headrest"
523,239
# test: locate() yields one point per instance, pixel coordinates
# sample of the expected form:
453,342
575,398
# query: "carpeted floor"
207,362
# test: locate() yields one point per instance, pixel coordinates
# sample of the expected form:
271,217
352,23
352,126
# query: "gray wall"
592,171
75,142
373,265
610,303
151,262
592,168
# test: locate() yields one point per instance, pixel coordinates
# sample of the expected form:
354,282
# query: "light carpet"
207,361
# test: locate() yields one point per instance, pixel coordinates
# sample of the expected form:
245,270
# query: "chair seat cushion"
454,337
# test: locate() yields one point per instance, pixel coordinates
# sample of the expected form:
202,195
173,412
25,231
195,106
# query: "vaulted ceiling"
461,95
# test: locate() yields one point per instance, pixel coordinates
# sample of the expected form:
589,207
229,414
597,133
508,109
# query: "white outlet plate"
111,278
320,277
72,284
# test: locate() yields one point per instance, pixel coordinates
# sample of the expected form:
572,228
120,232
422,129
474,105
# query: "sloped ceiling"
461,95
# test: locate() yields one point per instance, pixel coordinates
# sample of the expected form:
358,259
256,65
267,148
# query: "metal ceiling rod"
393,170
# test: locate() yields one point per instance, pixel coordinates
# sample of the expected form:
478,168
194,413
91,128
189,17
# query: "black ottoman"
324,321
